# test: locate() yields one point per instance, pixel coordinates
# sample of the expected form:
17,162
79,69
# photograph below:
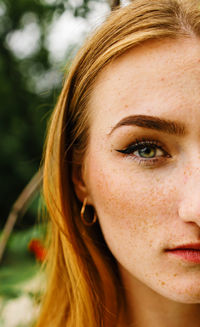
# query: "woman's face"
142,168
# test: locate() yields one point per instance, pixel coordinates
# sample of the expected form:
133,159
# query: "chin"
188,293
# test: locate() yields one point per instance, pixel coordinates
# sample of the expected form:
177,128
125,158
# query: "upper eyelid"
147,141
136,143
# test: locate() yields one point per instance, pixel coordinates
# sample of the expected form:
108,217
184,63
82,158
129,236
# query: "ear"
79,183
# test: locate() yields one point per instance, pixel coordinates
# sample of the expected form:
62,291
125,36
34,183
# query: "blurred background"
38,39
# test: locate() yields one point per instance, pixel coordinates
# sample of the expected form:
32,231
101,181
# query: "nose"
189,208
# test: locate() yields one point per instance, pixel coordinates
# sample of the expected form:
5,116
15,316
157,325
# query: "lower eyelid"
151,163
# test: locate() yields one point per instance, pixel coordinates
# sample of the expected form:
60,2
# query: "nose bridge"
189,209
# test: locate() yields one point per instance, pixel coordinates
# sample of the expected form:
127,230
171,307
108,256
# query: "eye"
148,151
144,151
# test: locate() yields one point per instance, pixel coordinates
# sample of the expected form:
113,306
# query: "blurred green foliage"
25,108
19,264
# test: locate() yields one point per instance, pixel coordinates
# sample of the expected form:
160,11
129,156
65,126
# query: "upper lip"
189,246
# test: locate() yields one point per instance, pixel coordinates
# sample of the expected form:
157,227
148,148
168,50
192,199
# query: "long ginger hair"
84,287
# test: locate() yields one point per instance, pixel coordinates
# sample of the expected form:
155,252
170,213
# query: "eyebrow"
152,122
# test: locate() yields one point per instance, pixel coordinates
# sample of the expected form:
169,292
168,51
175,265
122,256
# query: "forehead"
155,78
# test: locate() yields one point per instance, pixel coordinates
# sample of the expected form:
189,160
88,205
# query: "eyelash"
142,143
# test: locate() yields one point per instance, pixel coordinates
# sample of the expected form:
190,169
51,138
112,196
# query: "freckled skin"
145,210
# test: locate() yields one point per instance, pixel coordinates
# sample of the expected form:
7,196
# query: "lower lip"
188,255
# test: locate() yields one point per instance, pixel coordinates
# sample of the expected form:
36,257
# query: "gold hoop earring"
86,222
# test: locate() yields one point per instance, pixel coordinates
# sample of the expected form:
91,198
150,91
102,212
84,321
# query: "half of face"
142,169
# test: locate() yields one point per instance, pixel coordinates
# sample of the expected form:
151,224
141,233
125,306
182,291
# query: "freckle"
125,106
163,283
175,275
162,79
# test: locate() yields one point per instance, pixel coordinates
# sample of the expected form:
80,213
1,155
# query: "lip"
194,246
188,252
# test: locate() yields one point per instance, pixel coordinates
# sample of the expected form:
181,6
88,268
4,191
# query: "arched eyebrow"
152,122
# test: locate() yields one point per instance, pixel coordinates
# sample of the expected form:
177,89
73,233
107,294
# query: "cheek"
131,206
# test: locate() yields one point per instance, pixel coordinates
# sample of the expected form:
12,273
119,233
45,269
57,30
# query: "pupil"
147,152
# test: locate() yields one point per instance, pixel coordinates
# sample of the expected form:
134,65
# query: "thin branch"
19,208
